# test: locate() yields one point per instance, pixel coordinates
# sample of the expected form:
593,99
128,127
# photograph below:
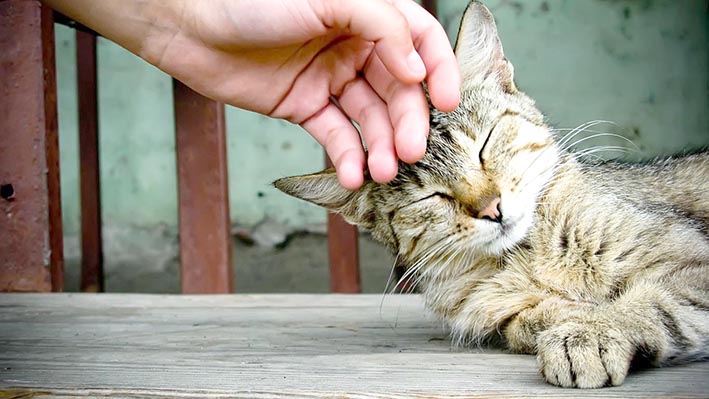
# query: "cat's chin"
509,234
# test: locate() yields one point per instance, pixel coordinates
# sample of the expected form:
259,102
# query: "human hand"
316,63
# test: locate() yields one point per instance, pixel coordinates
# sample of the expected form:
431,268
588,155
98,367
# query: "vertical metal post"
91,242
31,253
343,253
205,237
431,6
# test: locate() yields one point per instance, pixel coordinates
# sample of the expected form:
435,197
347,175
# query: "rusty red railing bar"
204,222
31,253
91,237
343,253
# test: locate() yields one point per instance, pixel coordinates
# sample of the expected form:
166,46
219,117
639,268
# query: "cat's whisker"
594,136
442,264
555,130
602,133
457,263
534,179
426,262
391,288
559,175
591,131
561,144
386,287
578,130
423,259
594,150
584,153
555,177
543,173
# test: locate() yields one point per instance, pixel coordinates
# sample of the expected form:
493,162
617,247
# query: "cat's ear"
479,50
324,189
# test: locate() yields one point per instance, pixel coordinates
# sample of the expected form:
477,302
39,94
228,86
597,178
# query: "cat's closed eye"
482,155
436,195
444,196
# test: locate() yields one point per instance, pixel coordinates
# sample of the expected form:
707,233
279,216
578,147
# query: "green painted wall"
641,64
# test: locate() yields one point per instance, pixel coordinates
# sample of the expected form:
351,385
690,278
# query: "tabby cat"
591,266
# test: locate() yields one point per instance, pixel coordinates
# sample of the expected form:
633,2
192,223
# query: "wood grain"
266,346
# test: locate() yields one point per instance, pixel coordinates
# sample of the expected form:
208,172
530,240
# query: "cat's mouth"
506,234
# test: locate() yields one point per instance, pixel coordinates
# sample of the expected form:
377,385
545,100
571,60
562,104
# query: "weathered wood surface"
263,346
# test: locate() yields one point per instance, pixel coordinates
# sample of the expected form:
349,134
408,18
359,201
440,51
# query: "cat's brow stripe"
534,147
416,239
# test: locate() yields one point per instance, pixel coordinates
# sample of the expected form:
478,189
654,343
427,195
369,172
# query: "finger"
362,104
407,108
334,131
377,21
431,42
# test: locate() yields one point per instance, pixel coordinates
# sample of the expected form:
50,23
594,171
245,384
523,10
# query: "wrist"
143,27
160,24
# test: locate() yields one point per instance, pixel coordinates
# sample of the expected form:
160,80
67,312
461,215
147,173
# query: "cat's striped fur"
590,266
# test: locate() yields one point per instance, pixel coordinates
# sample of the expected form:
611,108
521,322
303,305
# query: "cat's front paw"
583,355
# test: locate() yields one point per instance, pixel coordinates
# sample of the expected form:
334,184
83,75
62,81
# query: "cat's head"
477,185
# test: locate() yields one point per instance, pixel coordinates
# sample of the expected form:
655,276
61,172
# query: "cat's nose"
492,211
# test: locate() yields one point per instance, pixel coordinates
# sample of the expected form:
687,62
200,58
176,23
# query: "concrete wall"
641,64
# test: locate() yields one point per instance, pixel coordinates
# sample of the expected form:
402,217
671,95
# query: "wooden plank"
343,253
265,346
205,240
91,242
31,253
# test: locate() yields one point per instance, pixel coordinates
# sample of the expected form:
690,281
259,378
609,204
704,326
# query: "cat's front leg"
584,354
573,348
578,345
595,347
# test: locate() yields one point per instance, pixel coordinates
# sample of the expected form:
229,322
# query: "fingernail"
416,64
350,175
411,144
383,166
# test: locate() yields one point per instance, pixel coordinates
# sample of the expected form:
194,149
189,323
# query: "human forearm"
143,27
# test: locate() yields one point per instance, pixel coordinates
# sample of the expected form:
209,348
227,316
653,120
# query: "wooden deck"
263,346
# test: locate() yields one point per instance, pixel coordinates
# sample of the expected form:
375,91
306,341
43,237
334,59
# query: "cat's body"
509,236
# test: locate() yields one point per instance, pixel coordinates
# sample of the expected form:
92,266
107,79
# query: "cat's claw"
575,355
